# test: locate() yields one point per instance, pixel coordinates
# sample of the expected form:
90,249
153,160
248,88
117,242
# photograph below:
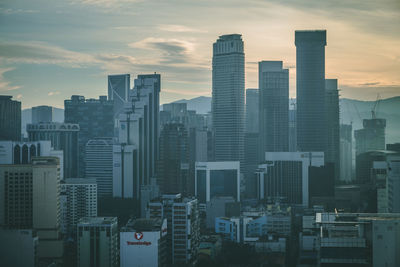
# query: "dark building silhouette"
173,165
228,98
10,119
63,136
251,161
371,136
310,76
252,102
273,82
292,130
393,147
332,152
42,114
95,119
321,185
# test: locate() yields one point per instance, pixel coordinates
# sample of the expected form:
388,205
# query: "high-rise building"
143,243
292,129
310,86
95,119
18,247
118,92
78,199
42,114
98,242
358,239
346,152
173,163
216,179
99,164
63,136
10,119
32,200
252,100
332,149
285,176
371,136
393,183
23,152
228,98
251,161
136,153
183,222
273,83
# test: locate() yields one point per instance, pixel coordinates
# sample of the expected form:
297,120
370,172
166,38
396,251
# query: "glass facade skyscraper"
273,107
310,86
228,97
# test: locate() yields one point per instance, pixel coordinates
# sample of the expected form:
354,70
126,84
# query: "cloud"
173,51
53,93
19,96
5,85
43,53
11,11
369,84
178,28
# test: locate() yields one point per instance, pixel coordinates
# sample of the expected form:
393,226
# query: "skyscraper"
332,154
10,119
95,119
63,136
228,97
310,75
346,152
42,114
371,136
252,99
99,164
273,83
173,165
118,91
135,154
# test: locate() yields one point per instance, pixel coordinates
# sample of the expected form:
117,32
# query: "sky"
52,49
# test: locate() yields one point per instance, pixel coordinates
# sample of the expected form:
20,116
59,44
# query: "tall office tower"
173,163
285,176
273,83
292,130
32,201
98,242
95,119
118,91
10,119
393,183
23,152
143,243
217,179
46,207
16,201
310,86
346,152
252,102
138,126
42,114
183,222
371,136
251,161
18,247
228,97
332,150
78,199
63,136
99,164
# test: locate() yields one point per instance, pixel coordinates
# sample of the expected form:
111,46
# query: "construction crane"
374,109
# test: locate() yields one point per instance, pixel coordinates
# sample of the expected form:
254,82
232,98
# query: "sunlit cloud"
5,85
178,28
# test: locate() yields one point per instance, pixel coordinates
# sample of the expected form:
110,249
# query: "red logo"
138,235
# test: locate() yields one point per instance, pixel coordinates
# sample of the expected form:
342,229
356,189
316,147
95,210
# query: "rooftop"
143,225
97,220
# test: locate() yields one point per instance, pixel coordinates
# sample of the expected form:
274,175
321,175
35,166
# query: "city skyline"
50,49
